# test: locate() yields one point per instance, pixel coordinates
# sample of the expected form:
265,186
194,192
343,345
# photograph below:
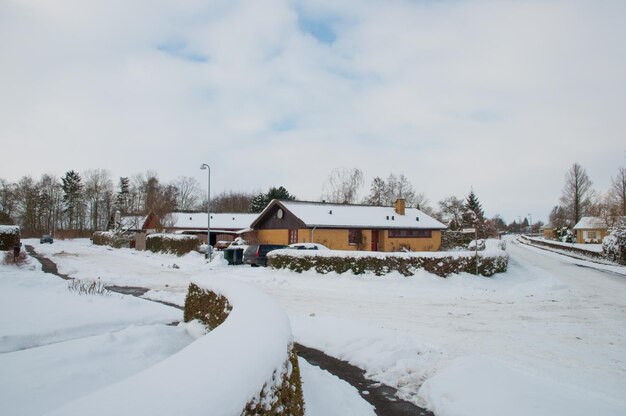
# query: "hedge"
405,263
614,246
9,236
110,238
285,400
172,243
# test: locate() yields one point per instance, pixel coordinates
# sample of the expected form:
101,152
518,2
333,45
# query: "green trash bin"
233,256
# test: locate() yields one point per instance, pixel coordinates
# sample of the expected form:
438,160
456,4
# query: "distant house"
348,227
224,226
548,231
590,230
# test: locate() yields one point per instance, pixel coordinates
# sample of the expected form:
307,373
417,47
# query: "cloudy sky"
501,96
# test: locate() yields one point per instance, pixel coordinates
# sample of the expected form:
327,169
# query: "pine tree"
72,187
123,194
260,201
377,193
473,204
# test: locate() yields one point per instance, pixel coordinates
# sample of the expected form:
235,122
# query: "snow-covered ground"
58,348
546,337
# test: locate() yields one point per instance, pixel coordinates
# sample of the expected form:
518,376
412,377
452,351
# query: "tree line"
83,203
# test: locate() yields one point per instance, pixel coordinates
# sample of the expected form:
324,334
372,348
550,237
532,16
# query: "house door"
374,240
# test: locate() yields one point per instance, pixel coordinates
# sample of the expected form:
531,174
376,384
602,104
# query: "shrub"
9,236
172,243
614,246
88,287
19,261
379,265
111,238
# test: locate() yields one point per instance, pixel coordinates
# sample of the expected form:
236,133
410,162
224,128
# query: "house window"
398,233
293,236
591,235
354,237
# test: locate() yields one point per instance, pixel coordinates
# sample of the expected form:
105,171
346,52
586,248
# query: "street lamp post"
208,209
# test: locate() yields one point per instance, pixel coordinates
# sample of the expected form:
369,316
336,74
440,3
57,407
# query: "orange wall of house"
337,239
273,237
414,244
334,239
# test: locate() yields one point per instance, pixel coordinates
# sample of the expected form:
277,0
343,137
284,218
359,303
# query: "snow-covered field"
547,337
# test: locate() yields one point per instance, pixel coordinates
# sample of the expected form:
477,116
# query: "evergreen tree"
123,195
72,187
260,201
377,193
473,204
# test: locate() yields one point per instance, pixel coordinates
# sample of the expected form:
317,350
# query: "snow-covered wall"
235,369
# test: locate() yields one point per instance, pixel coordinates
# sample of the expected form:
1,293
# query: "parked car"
46,239
256,254
307,246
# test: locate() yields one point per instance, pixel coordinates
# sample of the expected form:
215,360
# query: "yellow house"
590,230
348,227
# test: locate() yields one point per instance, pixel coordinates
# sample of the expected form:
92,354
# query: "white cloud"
501,96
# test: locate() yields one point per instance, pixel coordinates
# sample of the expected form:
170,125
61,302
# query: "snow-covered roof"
587,223
132,222
321,214
224,221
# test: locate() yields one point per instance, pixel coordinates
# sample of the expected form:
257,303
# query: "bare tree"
451,211
399,187
189,193
7,197
577,193
343,185
232,201
98,189
423,204
617,193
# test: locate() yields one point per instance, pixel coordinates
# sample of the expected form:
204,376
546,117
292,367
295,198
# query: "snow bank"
483,386
38,309
219,374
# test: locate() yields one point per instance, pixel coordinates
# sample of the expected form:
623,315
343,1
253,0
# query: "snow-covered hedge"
281,391
111,238
9,236
614,246
245,366
178,244
440,263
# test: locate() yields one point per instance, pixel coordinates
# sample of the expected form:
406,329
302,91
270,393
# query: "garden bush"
111,238
172,243
614,246
441,264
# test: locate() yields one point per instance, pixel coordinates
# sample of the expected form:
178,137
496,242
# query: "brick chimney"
400,206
